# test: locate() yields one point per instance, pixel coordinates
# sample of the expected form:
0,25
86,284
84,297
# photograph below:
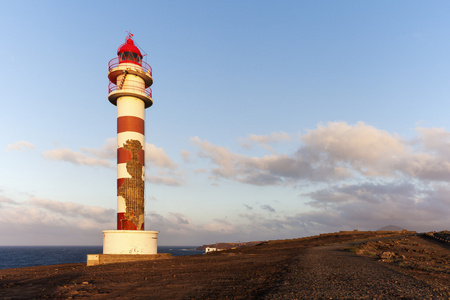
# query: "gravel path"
328,272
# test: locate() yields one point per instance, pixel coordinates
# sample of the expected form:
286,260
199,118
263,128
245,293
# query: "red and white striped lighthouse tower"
130,79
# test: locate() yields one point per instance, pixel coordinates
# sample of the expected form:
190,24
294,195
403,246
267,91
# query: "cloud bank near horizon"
360,176
337,152
350,176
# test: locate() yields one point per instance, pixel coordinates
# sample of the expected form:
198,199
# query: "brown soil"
314,268
416,254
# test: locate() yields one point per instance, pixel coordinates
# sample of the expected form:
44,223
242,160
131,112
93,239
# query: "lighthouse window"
130,56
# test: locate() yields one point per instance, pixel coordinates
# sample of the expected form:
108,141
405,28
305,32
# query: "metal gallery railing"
113,87
114,63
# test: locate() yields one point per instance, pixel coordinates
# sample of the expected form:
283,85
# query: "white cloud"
157,157
76,210
358,176
5,200
273,137
44,221
434,140
172,180
180,218
219,227
368,205
247,206
259,171
186,155
103,156
177,229
107,151
364,148
265,140
76,158
425,166
19,146
336,152
162,169
268,208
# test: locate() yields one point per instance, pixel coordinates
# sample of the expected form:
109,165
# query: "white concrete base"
130,242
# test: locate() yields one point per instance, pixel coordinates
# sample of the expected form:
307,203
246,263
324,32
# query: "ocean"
28,256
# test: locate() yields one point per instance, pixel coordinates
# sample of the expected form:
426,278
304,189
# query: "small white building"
211,249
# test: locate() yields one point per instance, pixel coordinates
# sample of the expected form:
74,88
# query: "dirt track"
327,272
293,269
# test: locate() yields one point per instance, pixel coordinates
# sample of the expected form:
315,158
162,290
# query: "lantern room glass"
128,56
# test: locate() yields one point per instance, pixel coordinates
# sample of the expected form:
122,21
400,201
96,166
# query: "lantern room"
129,53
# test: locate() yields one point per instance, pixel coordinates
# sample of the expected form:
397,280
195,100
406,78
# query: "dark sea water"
28,256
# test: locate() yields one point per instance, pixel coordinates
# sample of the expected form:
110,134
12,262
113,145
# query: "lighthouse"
129,90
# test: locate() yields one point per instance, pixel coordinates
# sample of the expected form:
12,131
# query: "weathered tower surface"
130,79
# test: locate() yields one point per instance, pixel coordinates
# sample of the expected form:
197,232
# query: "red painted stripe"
124,156
142,157
123,224
129,123
120,216
120,182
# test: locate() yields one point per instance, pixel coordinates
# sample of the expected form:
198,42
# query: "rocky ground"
418,255
321,267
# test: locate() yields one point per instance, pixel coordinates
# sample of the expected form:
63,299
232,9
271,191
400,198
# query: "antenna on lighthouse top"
129,36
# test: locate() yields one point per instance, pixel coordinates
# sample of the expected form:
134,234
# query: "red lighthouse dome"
129,53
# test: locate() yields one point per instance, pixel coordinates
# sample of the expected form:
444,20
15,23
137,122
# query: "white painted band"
132,82
121,206
123,173
130,106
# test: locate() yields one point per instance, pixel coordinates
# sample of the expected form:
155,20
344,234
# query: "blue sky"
270,119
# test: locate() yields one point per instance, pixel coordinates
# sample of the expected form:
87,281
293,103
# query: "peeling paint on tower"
132,189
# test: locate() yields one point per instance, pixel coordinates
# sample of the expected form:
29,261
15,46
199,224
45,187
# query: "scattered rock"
387,255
